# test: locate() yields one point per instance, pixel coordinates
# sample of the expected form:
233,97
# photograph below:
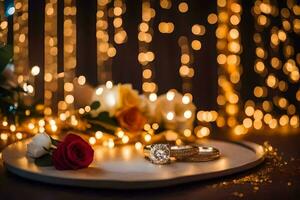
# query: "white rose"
38,145
174,114
109,100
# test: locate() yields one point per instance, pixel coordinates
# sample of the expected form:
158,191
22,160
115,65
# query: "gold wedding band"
183,151
204,154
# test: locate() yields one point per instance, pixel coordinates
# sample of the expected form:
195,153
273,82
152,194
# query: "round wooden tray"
124,167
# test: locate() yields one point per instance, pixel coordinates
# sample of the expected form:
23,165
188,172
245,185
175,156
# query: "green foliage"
5,56
95,105
44,161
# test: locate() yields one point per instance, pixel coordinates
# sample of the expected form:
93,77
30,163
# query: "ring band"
181,152
204,154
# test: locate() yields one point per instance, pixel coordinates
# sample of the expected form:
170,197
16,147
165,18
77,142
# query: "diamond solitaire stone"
160,153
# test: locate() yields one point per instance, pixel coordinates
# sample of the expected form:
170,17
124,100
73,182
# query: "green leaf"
5,92
5,56
54,141
95,105
104,117
44,161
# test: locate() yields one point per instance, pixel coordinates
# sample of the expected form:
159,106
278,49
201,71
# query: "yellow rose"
128,96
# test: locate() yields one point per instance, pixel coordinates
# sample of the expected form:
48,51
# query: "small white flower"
38,145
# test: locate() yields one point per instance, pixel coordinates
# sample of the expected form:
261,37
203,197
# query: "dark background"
125,66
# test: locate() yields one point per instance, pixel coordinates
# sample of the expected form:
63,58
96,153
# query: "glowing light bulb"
99,134
125,139
92,140
138,145
187,114
170,115
170,95
35,70
152,97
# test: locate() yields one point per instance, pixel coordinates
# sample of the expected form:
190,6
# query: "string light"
229,48
3,25
146,56
51,53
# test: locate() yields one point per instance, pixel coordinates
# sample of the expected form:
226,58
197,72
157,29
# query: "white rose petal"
109,101
38,145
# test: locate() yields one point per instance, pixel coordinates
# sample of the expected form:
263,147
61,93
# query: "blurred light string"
3,24
276,66
20,50
229,49
69,51
105,50
50,64
146,56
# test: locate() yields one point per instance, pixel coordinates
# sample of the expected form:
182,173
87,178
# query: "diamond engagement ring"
158,153
204,154
183,151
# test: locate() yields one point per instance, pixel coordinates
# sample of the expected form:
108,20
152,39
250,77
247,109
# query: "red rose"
72,153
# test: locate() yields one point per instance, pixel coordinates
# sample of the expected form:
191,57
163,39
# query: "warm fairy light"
69,99
239,130
147,127
109,84
62,116
69,87
187,114
81,80
273,123
19,135
98,135
4,123
202,132
229,47
257,124
147,138
247,122
187,132
196,45
170,115
41,122
110,143
87,109
249,111
12,128
53,128
166,27
3,136
198,29
294,121
35,70
31,126
125,139
92,140
170,95
183,7
99,91
186,99
212,18
120,133
152,97
155,126
138,145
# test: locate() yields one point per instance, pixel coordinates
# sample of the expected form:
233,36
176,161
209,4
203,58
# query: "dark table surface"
277,178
